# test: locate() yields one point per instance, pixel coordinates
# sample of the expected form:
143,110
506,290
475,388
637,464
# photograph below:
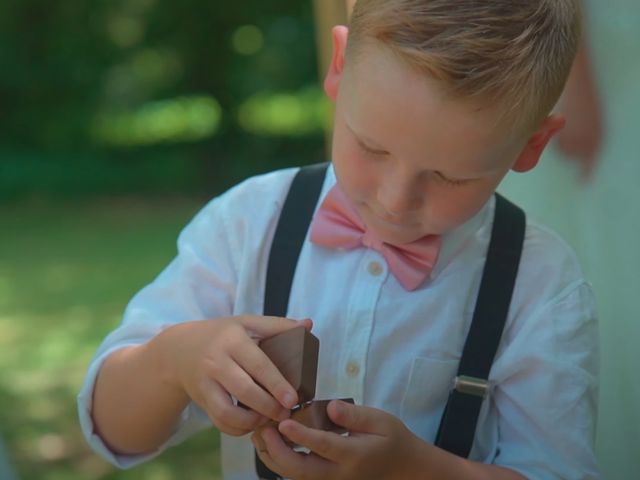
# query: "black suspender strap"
290,233
458,424
287,243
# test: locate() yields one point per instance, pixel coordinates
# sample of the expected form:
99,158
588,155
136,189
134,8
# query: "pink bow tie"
337,225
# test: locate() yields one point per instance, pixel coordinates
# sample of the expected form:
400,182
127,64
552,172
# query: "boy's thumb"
355,418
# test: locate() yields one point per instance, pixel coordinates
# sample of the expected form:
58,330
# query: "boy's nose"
400,198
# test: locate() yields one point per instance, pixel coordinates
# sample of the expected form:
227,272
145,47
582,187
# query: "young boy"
435,102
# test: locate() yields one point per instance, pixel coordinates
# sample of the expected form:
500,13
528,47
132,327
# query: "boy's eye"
371,151
450,181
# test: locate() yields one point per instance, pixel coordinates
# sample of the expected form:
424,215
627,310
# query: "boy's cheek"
356,175
452,208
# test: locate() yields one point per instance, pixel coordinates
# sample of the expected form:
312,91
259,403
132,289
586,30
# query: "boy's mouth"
397,222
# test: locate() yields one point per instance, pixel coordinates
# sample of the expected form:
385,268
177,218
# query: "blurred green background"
118,120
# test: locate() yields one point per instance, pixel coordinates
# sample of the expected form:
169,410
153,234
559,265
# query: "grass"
67,270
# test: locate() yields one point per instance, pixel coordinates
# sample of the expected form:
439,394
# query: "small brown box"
295,353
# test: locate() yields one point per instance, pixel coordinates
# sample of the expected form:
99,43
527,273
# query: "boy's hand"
379,446
213,360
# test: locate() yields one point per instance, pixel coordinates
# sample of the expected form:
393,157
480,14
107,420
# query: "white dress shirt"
386,347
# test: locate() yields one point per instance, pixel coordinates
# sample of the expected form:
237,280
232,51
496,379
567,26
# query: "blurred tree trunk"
350,4
328,13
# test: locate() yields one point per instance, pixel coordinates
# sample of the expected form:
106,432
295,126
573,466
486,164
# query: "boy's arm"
136,405
133,377
141,391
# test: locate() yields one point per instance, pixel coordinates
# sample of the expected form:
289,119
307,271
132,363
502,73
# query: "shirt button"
374,268
353,369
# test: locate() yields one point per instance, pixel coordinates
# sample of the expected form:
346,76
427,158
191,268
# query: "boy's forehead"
381,81
405,112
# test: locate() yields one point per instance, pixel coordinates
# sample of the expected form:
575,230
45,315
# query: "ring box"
295,354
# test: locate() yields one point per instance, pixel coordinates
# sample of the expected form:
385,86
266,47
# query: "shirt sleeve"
198,284
546,389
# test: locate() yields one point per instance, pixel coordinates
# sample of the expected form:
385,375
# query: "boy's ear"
336,68
536,144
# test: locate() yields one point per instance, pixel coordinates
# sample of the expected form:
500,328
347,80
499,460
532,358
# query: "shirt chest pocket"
423,403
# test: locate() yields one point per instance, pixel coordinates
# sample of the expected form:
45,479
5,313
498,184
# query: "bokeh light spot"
285,114
167,121
125,31
247,40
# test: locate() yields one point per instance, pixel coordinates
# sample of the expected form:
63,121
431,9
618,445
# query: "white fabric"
601,220
384,346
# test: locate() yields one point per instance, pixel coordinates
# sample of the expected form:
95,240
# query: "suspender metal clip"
471,385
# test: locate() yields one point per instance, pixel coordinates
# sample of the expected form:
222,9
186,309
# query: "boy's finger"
264,326
261,369
356,418
239,383
328,445
263,452
292,464
224,414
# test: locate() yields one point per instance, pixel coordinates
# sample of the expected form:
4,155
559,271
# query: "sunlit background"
118,119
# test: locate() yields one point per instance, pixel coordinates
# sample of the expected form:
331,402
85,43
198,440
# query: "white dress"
602,221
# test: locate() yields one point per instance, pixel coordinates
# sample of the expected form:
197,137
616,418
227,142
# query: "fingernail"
289,400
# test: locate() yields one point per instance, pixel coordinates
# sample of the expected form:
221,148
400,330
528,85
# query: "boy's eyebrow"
369,143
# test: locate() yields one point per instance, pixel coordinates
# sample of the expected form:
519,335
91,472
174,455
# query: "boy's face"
412,162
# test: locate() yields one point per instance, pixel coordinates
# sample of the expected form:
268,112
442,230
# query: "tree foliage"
75,72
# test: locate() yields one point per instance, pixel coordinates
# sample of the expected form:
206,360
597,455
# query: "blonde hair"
511,54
